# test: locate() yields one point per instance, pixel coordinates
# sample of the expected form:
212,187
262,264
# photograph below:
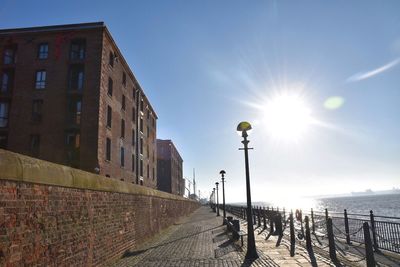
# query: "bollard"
292,237
308,234
371,215
346,227
312,221
331,239
369,251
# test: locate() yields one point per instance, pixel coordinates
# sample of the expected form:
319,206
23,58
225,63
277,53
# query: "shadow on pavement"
138,252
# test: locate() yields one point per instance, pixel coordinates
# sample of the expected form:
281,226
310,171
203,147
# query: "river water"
383,205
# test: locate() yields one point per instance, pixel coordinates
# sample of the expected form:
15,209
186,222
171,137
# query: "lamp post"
222,172
216,184
214,200
243,127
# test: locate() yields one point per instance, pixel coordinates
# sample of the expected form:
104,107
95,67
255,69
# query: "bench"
234,227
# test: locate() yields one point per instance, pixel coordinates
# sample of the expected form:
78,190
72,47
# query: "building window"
110,87
35,144
122,156
154,173
3,140
109,116
73,140
6,81
141,125
148,114
148,151
134,93
141,168
148,131
37,106
75,111
43,51
133,162
122,128
76,77
3,114
141,105
77,50
133,114
111,59
124,79
108,149
9,55
123,102
133,137
40,79
141,145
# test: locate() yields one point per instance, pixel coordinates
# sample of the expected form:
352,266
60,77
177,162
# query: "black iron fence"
346,227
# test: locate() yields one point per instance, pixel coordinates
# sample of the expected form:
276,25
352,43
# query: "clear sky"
207,65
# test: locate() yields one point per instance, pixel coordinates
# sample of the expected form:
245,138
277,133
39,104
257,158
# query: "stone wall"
53,215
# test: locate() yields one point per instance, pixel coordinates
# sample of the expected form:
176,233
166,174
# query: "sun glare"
286,117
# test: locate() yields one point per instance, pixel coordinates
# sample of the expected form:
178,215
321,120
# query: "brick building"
169,168
67,95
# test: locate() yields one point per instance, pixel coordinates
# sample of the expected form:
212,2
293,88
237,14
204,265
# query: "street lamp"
244,127
214,200
216,184
222,172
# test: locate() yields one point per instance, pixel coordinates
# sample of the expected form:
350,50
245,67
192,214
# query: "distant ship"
369,192
365,193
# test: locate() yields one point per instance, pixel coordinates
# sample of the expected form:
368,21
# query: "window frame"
109,117
40,84
42,55
108,149
80,54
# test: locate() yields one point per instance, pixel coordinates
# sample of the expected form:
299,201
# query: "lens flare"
287,117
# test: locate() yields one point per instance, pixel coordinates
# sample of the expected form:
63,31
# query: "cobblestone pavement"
201,240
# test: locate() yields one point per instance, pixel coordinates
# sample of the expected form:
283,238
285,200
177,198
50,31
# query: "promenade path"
201,240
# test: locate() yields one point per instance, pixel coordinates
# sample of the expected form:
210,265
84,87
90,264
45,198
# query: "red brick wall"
59,226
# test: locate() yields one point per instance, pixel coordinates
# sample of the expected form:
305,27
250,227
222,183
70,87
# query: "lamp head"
244,127
222,172
217,184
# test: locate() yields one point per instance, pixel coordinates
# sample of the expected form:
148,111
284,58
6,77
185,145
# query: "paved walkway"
201,240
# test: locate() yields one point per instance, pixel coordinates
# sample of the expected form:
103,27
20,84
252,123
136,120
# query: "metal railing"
347,227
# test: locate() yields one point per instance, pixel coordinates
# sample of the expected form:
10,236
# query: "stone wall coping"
20,168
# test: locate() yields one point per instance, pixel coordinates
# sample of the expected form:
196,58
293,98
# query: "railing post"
346,227
331,239
369,251
326,215
301,223
284,215
371,215
292,237
254,216
308,234
264,218
312,221
259,216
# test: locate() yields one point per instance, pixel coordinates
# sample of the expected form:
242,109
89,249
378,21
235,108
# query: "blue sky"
207,65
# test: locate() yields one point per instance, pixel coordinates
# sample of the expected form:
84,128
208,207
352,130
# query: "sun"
286,117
